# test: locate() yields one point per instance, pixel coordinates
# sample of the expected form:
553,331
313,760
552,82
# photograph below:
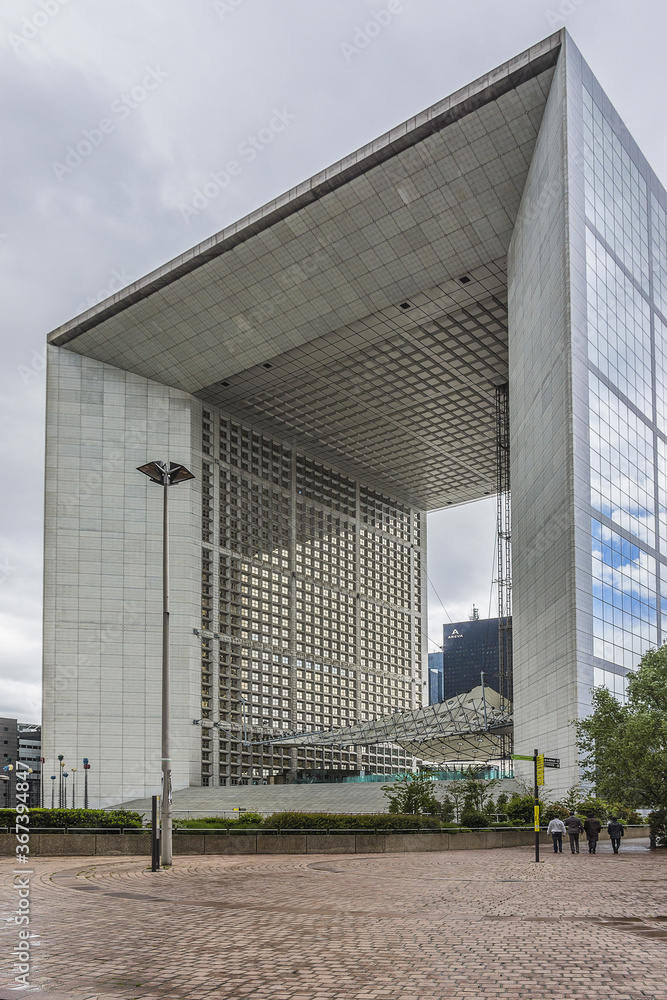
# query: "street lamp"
8,768
53,789
73,788
86,769
60,782
65,777
165,474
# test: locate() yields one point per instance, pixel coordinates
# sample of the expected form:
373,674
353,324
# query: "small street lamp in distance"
86,769
165,474
61,758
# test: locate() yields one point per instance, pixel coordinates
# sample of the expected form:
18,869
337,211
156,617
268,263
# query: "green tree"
623,748
501,803
477,792
413,795
573,796
455,797
519,809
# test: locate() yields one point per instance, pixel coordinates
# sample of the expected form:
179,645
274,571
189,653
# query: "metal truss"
475,727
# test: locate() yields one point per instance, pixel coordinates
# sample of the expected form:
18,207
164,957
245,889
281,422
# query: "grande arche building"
327,368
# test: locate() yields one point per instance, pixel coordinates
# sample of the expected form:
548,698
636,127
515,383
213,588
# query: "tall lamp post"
53,789
165,474
8,768
86,769
60,781
73,788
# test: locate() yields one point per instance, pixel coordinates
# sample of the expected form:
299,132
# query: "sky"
159,94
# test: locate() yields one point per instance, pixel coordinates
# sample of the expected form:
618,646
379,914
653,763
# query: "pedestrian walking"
574,827
615,830
557,828
592,828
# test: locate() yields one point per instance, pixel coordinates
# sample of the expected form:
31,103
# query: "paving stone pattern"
473,924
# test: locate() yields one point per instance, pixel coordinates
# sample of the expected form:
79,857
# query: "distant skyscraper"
469,648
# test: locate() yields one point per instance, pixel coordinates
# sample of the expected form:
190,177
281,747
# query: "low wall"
113,843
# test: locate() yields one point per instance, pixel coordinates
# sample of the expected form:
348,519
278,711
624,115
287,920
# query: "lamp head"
165,474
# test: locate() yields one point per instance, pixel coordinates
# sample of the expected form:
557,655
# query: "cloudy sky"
212,72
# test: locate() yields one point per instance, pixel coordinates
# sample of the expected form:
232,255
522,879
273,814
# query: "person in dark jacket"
615,830
592,828
574,827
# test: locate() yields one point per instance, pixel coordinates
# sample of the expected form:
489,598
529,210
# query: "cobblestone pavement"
459,924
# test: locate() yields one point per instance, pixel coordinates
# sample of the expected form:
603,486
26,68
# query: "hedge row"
109,819
219,822
346,821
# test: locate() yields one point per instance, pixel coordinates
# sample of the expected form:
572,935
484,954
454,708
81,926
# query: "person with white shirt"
557,828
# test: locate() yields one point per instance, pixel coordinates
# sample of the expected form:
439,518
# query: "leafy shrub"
519,810
594,807
501,803
658,824
447,810
413,794
106,819
345,821
219,822
473,818
553,811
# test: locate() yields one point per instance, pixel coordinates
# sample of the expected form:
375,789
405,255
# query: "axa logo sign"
455,634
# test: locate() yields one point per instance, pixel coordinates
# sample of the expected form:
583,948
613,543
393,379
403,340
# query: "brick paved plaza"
418,926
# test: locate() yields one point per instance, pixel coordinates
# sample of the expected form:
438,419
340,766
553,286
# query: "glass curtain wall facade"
587,343
621,208
311,608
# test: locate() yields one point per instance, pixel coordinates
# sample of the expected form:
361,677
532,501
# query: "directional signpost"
539,763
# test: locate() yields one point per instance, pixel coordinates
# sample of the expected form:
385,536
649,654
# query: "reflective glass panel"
619,326
622,485
615,191
624,598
